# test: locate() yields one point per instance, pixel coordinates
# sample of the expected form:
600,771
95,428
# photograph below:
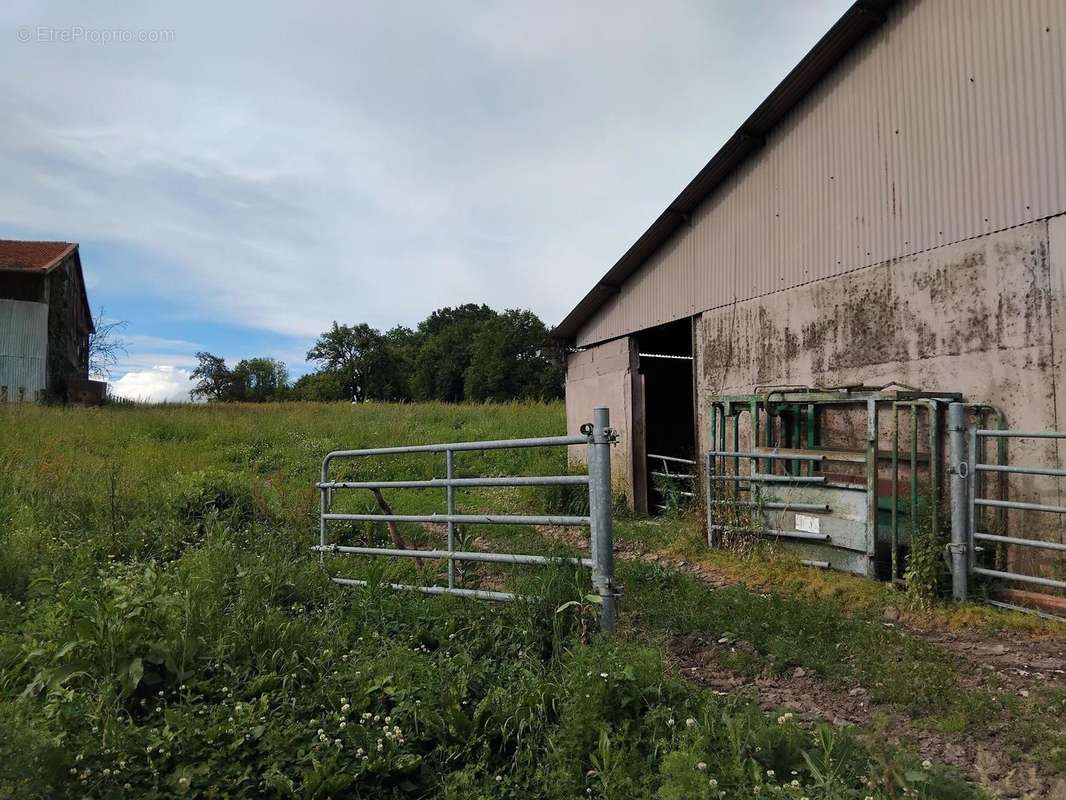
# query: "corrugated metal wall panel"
23,349
948,123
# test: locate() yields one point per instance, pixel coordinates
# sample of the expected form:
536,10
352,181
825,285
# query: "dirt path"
1020,663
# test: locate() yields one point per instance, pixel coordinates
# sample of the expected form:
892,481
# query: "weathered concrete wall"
985,317
604,375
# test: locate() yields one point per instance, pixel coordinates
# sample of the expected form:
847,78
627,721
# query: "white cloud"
283,165
160,384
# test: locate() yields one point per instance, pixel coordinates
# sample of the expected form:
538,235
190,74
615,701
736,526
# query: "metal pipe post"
971,493
599,460
959,522
895,491
710,497
449,458
871,486
324,505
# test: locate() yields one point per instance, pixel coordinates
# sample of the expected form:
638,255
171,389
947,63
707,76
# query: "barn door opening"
666,369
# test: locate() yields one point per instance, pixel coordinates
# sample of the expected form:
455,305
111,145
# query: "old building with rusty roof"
45,322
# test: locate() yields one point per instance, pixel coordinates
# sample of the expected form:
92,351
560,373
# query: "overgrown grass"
165,632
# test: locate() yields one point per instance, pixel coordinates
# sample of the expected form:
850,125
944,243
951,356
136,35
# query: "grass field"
166,632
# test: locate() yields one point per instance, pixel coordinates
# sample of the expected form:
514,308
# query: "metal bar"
449,467
934,466
797,434
982,501
455,555
470,519
871,485
736,446
957,459
894,530
818,537
992,537
761,478
664,355
971,493
774,505
754,411
672,458
476,594
1051,471
323,510
676,475
1026,610
1003,484
770,454
710,499
599,460
820,564
1001,434
492,444
914,471
1012,576
460,483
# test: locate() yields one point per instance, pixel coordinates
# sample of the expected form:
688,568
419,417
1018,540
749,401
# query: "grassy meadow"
166,632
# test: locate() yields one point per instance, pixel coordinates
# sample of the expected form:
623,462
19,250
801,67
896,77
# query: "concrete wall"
606,375
985,317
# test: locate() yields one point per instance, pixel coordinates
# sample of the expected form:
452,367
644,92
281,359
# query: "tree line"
469,352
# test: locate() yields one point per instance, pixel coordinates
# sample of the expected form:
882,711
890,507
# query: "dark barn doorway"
666,369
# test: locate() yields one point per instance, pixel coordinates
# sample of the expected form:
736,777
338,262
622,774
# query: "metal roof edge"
861,18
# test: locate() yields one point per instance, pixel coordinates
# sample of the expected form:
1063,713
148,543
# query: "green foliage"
465,353
362,360
253,380
509,359
925,568
214,492
444,351
165,632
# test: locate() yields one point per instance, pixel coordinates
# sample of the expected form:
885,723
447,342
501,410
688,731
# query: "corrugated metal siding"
23,349
948,123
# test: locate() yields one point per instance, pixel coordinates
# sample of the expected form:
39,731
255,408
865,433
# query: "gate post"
601,534
959,546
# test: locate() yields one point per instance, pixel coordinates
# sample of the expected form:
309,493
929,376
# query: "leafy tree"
254,380
214,381
510,359
363,360
259,380
443,352
322,386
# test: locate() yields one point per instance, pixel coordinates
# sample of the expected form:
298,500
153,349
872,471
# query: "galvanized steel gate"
970,534
598,437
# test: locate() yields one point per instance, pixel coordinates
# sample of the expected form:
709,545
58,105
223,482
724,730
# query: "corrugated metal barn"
893,213
45,322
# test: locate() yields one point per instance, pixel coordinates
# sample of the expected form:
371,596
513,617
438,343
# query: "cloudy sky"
251,171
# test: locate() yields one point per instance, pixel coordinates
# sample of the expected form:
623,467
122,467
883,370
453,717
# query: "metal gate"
822,475
681,482
598,437
971,527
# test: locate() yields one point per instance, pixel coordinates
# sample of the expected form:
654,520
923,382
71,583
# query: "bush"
214,492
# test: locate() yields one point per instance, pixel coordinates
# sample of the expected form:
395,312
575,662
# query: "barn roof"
41,258
861,18
18,256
